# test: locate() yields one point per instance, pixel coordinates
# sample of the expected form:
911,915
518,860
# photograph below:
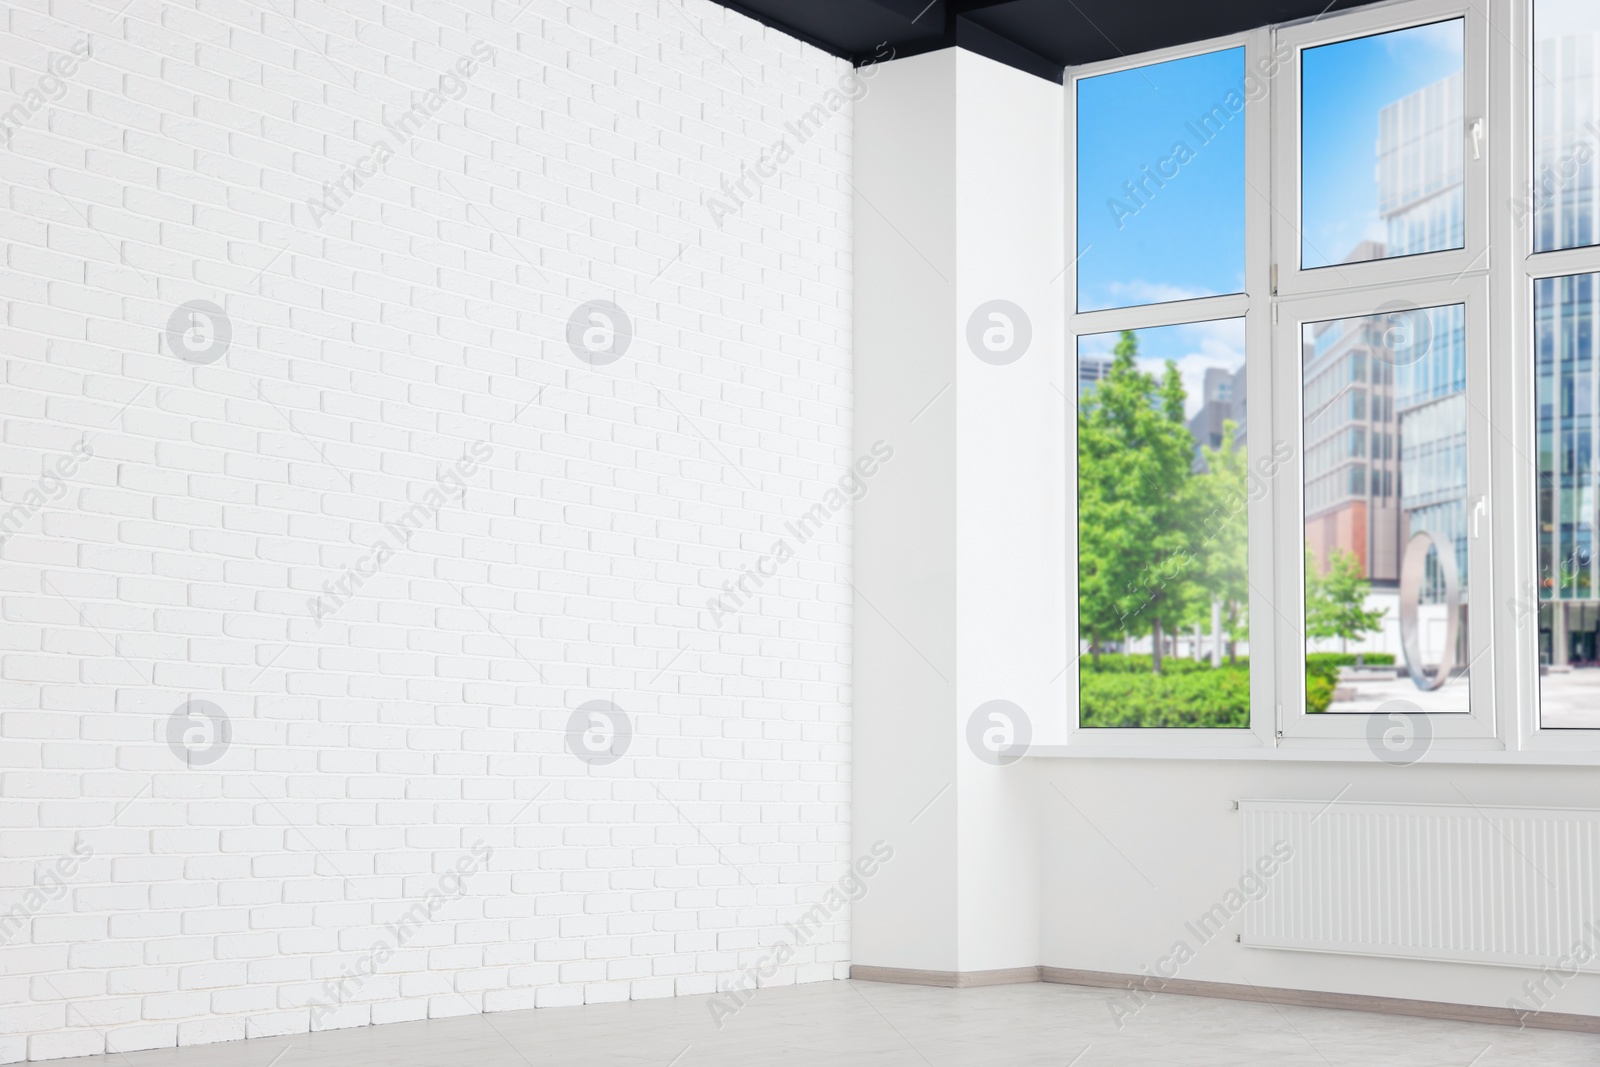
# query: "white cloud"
1445,37
1142,292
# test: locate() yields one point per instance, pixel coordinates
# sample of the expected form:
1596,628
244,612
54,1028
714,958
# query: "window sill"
1539,751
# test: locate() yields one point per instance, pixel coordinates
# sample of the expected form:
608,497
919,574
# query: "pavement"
1568,699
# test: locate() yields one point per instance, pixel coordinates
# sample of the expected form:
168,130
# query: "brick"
374,747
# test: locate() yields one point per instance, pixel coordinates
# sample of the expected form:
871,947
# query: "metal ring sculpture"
1413,569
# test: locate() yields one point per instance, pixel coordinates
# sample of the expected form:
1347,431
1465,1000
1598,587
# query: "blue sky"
1187,239
1345,86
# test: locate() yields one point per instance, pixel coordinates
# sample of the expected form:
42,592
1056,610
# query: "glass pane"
1163,484
1565,391
1383,146
1566,139
1385,439
1161,182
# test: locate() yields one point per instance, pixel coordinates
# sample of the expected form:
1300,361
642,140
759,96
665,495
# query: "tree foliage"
1135,507
1163,540
1224,555
1336,602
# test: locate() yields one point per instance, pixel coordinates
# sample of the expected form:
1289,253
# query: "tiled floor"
866,1024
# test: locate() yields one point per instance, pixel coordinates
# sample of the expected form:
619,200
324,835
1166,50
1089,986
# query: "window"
1346,247
1167,480
1358,542
1381,131
1378,308
1163,488
1562,269
1165,484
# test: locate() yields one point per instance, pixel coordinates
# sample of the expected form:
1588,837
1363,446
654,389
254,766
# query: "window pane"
1565,136
1163,588
1377,519
1161,182
1565,391
1382,146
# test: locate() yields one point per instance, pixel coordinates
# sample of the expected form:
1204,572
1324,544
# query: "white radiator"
1440,882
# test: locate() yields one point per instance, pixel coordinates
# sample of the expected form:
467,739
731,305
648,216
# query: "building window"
1567,399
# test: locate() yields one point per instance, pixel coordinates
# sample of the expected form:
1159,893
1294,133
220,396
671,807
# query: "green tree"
1336,601
1135,529
1110,520
1223,506
1319,612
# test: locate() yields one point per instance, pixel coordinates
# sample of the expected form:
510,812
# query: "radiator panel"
1496,885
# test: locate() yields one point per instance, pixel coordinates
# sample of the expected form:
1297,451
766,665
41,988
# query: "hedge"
1121,690
1322,674
1348,659
1194,697
1319,692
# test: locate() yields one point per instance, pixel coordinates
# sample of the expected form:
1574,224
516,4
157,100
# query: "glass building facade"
1384,394
1567,392
1351,492
1561,203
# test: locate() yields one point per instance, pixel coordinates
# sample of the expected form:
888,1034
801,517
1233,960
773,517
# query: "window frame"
1296,726
1494,275
1293,280
1526,267
1252,305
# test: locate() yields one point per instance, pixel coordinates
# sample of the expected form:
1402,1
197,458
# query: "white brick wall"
378,755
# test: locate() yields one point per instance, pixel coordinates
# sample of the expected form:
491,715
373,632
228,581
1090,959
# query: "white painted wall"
1156,845
904,736
372,348
958,172
1010,474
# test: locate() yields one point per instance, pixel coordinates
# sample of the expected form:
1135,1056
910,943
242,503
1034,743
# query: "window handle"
1479,509
1477,138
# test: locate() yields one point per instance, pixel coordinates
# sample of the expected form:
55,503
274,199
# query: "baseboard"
1426,1009
945,979
1304,998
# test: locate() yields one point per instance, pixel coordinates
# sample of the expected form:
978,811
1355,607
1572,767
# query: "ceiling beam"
1041,37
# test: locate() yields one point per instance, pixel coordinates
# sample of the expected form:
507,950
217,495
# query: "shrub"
1348,659
1123,692
1322,675
1319,692
1194,697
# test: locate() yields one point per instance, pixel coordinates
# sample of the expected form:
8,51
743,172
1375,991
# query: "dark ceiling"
1039,36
